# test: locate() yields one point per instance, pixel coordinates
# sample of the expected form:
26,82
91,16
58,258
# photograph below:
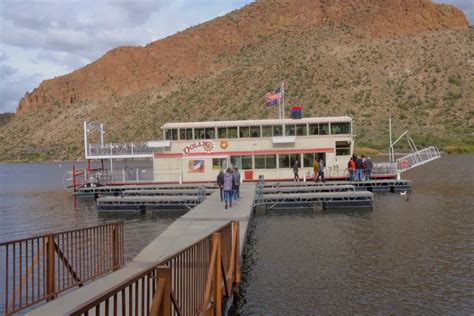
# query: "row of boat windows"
268,161
257,131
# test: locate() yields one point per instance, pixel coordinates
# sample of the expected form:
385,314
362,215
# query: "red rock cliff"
126,70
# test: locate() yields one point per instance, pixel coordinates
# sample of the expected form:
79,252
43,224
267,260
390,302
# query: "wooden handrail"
39,268
189,282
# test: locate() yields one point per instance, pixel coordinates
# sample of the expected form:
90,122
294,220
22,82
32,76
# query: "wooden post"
161,303
115,247
50,275
165,274
237,252
216,237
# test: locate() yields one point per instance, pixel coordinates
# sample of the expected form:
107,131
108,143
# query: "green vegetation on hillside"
424,81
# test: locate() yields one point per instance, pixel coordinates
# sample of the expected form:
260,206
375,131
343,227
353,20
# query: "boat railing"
38,268
384,168
120,150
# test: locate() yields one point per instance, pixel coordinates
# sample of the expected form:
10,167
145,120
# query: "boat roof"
288,121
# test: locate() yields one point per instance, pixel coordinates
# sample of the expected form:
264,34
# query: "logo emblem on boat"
206,145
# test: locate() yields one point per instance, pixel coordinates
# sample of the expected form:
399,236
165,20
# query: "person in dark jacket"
228,187
220,183
368,168
321,170
236,176
296,165
359,167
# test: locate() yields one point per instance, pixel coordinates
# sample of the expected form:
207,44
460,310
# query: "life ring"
224,144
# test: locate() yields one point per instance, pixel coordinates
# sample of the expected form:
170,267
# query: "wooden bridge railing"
39,268
195,281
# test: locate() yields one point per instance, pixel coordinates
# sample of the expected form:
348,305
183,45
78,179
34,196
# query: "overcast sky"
41,39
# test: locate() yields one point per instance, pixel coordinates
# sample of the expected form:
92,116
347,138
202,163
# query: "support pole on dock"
74,178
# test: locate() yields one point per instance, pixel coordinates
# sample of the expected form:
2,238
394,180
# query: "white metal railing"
119,150
418,158
384,168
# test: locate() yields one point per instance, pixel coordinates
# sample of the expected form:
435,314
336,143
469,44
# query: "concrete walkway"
201,221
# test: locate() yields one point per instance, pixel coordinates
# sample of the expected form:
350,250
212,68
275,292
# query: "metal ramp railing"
417,158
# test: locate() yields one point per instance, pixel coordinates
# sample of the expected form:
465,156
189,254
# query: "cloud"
14,85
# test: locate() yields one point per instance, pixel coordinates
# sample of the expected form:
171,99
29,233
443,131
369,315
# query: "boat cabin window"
210,133
266,131
343,148
265,162
319,129
308,160
313,129
286,161
289,130
219,163
171,134
247,162
341,128
324,129
277,130
255,131
199,133
244,131
301,130
232,132
222,132
185,133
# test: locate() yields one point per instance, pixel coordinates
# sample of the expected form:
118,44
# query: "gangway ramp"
418,158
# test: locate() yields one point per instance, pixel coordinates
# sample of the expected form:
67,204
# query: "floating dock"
91,191
346,199
330,194
144,203
385,185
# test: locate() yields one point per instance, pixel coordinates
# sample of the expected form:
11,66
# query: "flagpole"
279,108
283,107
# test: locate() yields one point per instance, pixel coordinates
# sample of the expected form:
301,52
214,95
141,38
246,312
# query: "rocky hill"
5,118
362,58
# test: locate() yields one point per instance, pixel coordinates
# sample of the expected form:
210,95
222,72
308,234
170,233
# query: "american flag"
272,98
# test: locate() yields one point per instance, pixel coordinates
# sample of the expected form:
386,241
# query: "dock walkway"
199,222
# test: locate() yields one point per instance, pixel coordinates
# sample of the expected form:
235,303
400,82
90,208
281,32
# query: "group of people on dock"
229,185
360,168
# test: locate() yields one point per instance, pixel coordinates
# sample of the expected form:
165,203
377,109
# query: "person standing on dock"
220,183
296,165
321,170
351,166
228,187
368,168
359,166
236,176
315,169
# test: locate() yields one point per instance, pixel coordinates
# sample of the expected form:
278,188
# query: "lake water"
411,254
33,201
